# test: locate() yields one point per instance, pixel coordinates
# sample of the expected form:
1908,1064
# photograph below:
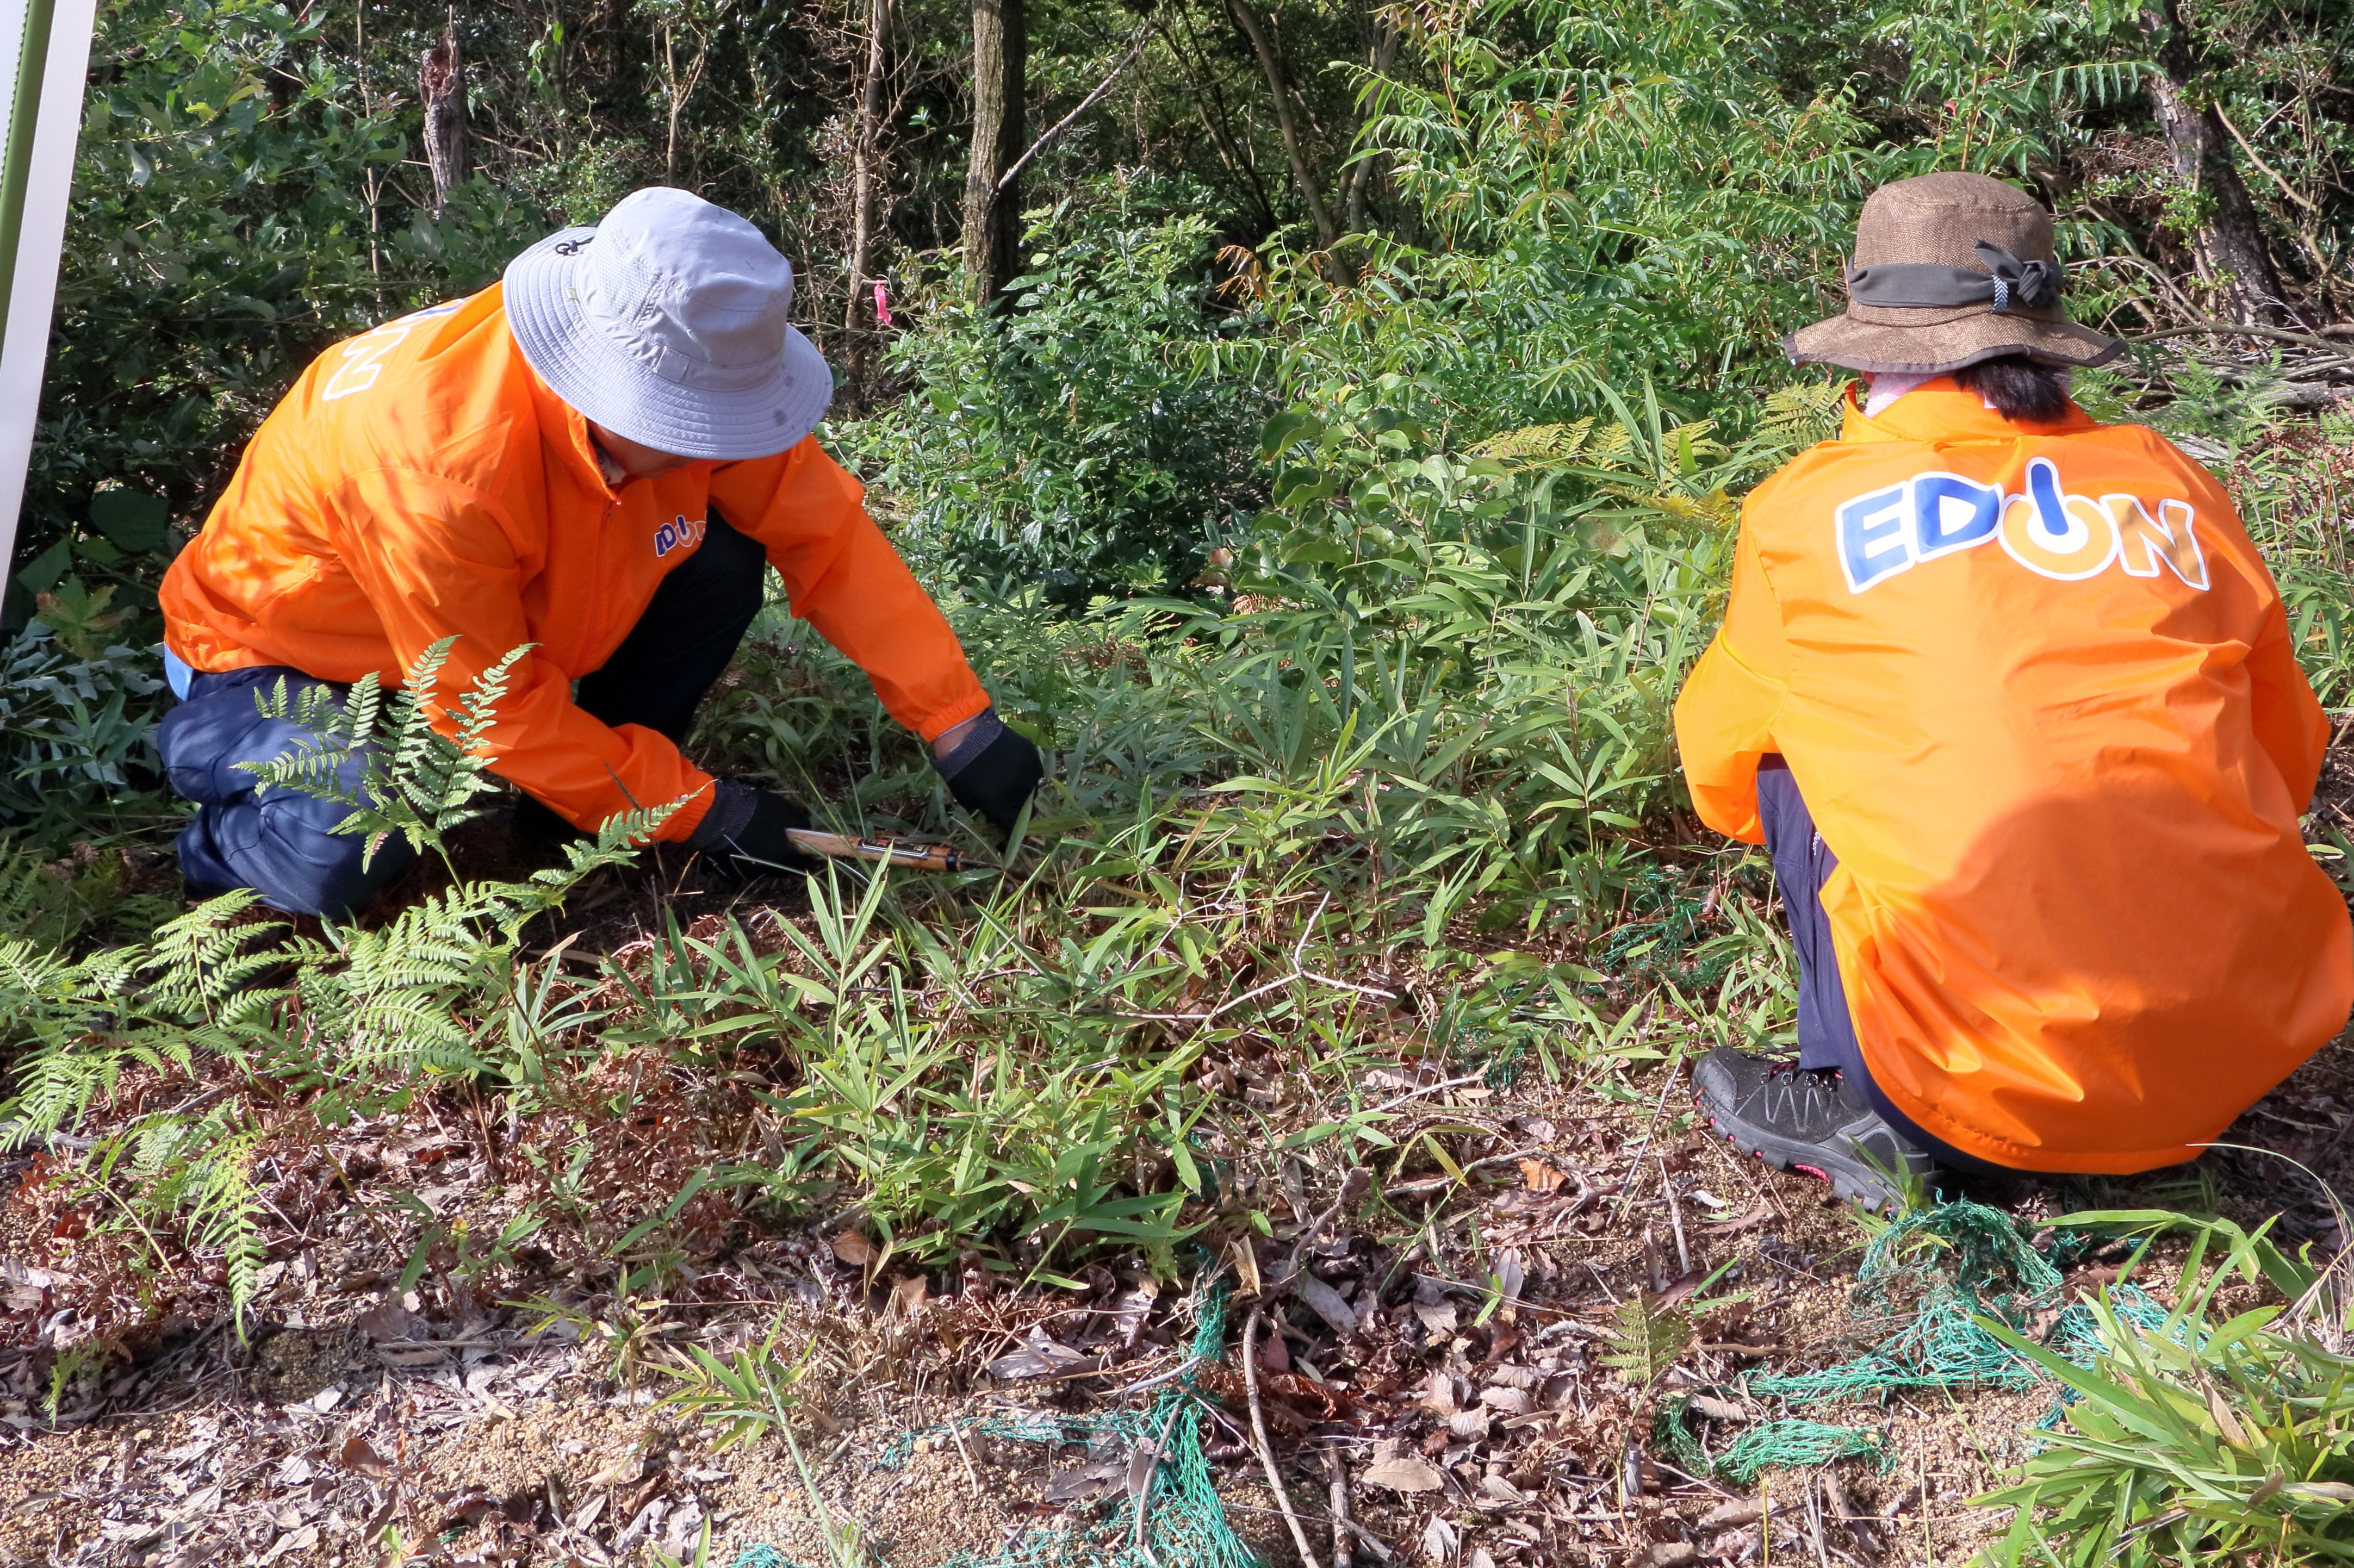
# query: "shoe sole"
1851,1181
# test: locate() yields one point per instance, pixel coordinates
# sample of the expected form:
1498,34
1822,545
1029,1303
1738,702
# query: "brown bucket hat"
1951,269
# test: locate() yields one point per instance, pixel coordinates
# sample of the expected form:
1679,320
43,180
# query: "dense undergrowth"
1348,591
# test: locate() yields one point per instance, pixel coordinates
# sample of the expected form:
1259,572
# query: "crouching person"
597,458
2010,697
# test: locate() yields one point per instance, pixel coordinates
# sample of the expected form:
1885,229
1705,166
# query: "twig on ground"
1258,1432
1336,1478
1144,1493
1432,1184
1675,1217
2237,329
1428,1089
1635,1168
972,1476
1373,1543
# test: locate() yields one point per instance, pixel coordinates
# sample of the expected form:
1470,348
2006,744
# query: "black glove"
749,823
992,770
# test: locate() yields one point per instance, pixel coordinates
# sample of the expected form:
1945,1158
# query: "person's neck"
614,474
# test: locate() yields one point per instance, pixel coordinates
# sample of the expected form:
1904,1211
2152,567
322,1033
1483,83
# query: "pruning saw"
913,853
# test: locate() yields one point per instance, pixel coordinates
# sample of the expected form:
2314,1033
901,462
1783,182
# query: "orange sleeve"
845,579
2288,718
448,569
1725,715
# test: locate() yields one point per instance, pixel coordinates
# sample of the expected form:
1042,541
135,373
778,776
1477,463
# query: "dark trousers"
282,843
1802,863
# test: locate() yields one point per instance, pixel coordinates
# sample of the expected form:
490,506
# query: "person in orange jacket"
594,459
2010,697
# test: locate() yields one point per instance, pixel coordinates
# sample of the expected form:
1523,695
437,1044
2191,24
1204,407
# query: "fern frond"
1647,1341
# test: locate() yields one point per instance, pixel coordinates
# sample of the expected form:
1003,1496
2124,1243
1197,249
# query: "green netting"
1773,1445
1184,1526
1935,1273
1939,1270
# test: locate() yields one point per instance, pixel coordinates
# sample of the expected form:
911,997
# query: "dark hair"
2018,388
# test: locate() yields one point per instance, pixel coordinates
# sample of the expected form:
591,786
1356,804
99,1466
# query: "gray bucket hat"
1951,269
666,324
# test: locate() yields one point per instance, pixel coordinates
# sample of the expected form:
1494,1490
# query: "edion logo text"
2049,532
678,534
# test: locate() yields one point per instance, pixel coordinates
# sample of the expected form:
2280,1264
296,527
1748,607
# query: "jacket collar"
1942,412
565,431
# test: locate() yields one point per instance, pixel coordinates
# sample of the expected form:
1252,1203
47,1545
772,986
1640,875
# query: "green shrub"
1073,439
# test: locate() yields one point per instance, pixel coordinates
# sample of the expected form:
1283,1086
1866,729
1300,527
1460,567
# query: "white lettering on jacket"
2050,533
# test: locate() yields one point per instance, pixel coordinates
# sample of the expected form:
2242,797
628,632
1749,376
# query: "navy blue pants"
1802,863
282,843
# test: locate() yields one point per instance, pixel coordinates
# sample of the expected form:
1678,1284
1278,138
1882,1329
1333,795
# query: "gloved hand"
747,824
992,769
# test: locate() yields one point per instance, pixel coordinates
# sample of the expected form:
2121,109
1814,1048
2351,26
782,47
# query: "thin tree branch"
1265,1449
1134,49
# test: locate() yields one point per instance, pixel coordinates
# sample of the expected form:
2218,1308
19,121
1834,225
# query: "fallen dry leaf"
909,1296
1540,1177
854,1249
1403,1475
1328,1304
357,1455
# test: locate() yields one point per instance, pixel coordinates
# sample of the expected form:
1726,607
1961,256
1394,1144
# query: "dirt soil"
1439,1345
342,1432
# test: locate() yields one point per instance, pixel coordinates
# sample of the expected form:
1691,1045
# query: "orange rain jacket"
421,480
2035,684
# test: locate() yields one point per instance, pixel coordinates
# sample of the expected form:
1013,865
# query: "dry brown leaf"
1328,1304
1540,1177
1246,1265
908,1295
1403,1475
854,1249
359,1456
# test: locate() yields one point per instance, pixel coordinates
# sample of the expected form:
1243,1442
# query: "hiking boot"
1807,1118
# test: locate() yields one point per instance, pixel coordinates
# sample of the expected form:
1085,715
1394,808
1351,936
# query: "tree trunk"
861,164
1385,56
442,82
992,216
2229,248
1255,28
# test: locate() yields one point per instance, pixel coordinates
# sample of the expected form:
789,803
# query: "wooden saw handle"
912,854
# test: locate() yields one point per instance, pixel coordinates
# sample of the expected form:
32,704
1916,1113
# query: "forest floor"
1437,1359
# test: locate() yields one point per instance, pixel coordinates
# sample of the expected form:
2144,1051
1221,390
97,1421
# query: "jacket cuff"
731,814
986,727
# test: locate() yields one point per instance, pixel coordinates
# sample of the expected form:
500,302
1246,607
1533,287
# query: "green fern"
314,1031
1805,412
415,780
1647,1341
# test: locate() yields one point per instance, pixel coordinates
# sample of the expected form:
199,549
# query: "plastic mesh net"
1177,1522
1936,1271
1932,1274
1774,1446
